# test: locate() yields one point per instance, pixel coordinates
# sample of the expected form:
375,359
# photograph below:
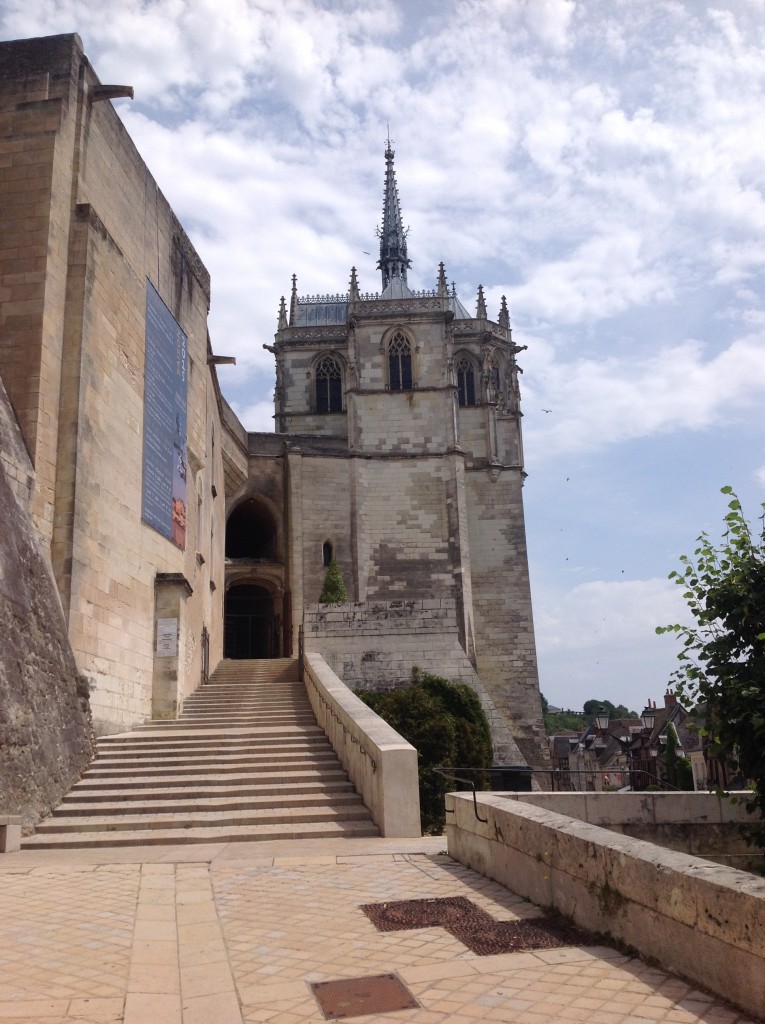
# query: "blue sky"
599,162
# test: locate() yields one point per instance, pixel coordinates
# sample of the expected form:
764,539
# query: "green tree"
334,591
448,727
722,660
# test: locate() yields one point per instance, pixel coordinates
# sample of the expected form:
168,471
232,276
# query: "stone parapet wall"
380,618
700,920
706,825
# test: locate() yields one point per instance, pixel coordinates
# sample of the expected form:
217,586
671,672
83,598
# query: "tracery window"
400,363
329,385
465,381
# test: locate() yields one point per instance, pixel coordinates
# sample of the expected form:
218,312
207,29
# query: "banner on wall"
164,421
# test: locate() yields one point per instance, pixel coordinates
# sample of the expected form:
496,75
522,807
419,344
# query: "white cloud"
611,612
605,401
259,416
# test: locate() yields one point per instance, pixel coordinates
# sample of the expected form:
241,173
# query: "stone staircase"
246,761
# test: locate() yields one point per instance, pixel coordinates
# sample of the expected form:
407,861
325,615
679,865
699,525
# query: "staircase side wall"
45,733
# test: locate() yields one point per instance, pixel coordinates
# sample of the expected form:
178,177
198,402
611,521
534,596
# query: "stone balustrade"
380,763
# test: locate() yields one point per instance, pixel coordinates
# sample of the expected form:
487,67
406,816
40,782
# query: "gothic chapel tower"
400,421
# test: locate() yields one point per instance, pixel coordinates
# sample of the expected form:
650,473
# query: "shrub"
334,591
445,722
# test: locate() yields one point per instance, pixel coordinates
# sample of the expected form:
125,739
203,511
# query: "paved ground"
235,933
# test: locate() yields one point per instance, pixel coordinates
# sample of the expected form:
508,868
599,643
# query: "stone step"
268,772
190,728
178,836
168,748
202,819
266,775
204,803
194,790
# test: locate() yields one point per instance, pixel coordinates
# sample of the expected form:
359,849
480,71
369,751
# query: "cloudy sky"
600,162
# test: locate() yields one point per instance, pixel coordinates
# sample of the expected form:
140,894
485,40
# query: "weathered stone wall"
403,529
375,645
45,733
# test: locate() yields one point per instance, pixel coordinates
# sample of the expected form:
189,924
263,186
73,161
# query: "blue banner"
164,421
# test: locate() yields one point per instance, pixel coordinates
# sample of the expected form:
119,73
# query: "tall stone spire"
393,259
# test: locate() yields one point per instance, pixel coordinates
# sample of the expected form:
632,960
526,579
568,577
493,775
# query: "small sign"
167,638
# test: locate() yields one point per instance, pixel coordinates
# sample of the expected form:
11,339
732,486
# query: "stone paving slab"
227,934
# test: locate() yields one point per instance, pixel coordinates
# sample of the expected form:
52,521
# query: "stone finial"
353,287
481,307
442,286
504,314
282,314
293,301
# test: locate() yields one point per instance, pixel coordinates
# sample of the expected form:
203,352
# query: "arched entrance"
250,629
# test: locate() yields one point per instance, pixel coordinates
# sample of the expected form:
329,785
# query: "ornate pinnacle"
293,301
504,314
353,288
442,286
282,315
481,308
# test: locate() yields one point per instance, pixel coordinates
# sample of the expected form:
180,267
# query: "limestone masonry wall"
85,227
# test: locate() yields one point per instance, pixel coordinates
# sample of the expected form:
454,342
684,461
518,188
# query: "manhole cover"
473,927
355,997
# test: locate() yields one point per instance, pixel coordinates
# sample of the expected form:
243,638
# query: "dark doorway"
250,629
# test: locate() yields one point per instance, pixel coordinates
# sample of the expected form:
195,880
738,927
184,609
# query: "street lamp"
648,717
602,719
625,742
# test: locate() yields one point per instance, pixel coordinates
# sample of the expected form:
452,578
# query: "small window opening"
400,363
328,553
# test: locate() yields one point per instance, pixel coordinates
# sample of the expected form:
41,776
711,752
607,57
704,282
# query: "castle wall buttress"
504,629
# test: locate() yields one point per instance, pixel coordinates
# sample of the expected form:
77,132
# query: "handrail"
561,773
468,782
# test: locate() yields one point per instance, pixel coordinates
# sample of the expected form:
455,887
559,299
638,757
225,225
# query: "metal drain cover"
355,997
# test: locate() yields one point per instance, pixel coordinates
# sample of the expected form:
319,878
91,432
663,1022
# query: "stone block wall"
38,85
402,516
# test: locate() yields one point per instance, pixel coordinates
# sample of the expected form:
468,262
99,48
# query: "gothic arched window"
327,553
465,381
329,385
400,363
